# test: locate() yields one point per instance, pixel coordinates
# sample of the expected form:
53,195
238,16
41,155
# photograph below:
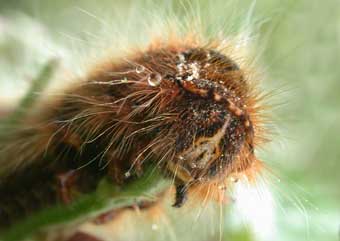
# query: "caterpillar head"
217,125
212,133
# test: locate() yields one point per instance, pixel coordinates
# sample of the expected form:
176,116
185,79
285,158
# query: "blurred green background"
299,50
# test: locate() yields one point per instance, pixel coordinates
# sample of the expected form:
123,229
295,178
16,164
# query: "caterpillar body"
185,105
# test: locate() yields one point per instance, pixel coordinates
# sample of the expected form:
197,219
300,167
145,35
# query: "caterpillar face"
213,125
213,132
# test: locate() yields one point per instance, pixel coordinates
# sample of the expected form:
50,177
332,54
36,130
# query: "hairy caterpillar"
184,104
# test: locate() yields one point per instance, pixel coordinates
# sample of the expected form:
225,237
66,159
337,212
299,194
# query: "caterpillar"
186,105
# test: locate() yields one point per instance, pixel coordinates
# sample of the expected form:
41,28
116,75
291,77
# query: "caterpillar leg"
81,236
114,213
181,195
66,181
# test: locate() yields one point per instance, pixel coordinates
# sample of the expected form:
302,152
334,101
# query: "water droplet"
195,70
193,165
154,79
190,78
181,58
140,69
154,226
234,179
127,174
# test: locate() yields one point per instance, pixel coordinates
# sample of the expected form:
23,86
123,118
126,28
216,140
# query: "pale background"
299,42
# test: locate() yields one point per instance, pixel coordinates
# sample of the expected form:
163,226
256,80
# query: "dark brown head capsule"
213,132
